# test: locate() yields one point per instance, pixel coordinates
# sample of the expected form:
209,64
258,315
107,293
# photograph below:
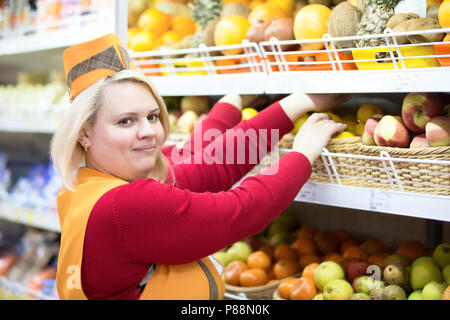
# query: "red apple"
418,108
437,131
419,141
355,268
391,132
369,129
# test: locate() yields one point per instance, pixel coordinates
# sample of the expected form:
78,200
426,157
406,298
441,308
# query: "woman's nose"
145,129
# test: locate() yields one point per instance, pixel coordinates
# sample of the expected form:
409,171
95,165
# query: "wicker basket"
395,174
264,292
322,171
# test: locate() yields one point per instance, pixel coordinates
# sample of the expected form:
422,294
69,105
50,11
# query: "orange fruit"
444,14
155,20
271,281
446,294
307,233
372,246
170,37
303,246
266,12
377,258
288,6
143,41
284,251
269,250
271,275
341,234
183,25
303,289
326,242
254,3
355,252
253,278
285,268
308,271
230,30
311,22
233,272
346,244
411,249
259,259
307,259
285,287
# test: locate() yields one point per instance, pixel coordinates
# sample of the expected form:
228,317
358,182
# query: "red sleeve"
168,225
232,155
221,117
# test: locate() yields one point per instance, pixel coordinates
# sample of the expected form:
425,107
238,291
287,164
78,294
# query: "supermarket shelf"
409,204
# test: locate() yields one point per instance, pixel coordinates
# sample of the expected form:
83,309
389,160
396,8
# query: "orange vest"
198,280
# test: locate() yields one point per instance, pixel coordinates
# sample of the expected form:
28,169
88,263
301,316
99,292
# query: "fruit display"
423,123
340,267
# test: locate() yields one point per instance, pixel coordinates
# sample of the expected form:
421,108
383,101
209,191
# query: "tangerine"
284,268
233,272
155,20
336,257
346,244
285,287
270,250
303,246
183,25
411,249
303,289
341,234
307,259
308,271
355,252
377,258
253,278
372,246
259,259
284,251
307,233
326,242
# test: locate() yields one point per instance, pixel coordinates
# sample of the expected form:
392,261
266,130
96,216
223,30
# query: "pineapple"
206,13
374,19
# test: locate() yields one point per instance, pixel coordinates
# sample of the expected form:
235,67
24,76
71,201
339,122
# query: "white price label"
379,200
412,6
307,193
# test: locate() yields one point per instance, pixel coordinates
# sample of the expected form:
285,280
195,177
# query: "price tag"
412,6
379,200
307,193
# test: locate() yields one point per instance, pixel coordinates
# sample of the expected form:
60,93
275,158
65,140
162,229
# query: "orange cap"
88,62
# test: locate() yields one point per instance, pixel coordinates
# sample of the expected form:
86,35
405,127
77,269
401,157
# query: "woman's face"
127,135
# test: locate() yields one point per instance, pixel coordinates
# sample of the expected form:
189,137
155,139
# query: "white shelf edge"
418,205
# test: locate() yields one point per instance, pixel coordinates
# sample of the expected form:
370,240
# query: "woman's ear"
83,139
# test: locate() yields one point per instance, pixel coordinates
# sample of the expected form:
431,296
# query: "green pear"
442,254
415,295
337,289
327,271
393,292
222,258
433,290
360,296
395,273
423,273
424,258
239,251
446,274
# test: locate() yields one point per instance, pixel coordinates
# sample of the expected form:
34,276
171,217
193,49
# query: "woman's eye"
125,121
153,117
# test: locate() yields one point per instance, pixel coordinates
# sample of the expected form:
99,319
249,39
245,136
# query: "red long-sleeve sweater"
145,222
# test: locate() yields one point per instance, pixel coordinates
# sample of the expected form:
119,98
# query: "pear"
396,273
376,293
393,292
360,296
423,273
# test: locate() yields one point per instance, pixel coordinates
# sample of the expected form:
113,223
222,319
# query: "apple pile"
337,267
424,122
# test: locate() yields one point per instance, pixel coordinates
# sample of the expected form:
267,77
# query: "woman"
138,225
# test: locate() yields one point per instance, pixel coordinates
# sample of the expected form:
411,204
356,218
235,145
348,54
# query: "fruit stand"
368,207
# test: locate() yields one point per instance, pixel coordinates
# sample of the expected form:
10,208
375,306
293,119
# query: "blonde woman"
137,224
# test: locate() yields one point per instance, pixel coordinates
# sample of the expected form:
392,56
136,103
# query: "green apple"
393,292
424,258
327,271
442,254
446,274
318,296
360,296
423,273
415,295
433,290
222,258
364,284
239,251
337,289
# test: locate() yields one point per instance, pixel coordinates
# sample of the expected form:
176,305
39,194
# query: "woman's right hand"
314,135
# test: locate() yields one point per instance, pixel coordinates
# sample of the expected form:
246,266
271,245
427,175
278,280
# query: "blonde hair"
65,150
